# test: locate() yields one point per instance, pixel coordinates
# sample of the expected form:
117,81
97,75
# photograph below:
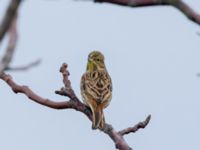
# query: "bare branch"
31,95
76,104
136,127
118,139
25,67
8,17
5,61
67,90
188,11
179,4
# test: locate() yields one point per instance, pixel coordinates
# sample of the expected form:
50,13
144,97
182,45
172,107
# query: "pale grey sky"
152,55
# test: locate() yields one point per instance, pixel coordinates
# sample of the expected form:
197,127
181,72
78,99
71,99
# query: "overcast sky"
152,55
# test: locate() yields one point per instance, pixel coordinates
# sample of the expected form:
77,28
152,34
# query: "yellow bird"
96,88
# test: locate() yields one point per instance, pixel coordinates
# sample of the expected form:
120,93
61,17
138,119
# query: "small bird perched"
96,88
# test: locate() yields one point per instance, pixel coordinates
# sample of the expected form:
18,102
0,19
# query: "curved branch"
179,4
76,104
32,95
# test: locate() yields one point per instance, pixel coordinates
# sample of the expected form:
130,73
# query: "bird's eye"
98,59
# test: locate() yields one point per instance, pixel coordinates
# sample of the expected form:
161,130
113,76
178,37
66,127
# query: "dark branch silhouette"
5,61
179,4
9,25
76,104
8,17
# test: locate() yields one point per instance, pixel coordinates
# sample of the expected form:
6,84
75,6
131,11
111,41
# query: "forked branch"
76,104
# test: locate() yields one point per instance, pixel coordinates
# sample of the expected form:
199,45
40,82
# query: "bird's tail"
98,118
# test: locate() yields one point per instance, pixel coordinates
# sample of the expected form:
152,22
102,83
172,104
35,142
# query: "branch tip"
140,125
63,68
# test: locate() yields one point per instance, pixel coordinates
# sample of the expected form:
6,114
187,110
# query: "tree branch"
136,127
31,95
179,4
5,61
76,104
8,17
25,67
188,11
67,90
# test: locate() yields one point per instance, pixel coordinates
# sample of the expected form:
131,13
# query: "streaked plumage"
96,88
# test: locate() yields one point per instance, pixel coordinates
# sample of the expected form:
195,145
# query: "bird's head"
95,61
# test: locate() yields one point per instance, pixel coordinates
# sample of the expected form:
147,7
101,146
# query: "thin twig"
138,126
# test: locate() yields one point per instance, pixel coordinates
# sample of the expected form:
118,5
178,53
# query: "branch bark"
76,104
179,4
